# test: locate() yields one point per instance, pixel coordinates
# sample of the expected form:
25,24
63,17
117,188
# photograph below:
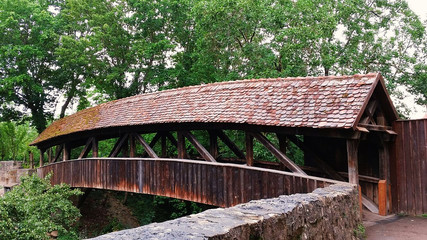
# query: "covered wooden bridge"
341,124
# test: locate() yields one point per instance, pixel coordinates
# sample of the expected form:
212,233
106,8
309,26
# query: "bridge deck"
219,184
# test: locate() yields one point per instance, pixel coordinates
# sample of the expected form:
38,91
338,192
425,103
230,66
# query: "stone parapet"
326,213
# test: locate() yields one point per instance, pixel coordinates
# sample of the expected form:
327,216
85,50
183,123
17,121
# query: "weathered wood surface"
219,184
409,167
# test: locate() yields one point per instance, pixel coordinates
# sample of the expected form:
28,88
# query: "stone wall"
326,213
11,172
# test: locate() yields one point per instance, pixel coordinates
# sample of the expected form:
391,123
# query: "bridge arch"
342,124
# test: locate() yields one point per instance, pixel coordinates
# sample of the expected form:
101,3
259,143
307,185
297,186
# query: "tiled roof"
314,102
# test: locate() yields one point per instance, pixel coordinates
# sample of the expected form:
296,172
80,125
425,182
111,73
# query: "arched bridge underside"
218,184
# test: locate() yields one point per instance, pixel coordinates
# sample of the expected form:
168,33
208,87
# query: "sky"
419,7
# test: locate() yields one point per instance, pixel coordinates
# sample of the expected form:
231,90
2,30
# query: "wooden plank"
66,152
408,167
132,146
416,166
213,144
424,165
283,144
164,146
41,157
182,153
382,197
249,149
352,159
230,144
421,149
199,147
278,154
146,146
95,147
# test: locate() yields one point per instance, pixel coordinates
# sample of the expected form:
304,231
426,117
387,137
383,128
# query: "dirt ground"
394,227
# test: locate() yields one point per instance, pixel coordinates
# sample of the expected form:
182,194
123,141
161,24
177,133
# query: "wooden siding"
218,184
409,167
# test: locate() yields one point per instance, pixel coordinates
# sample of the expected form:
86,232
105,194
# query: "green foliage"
35,208
360,232
150,209
14,140
103,50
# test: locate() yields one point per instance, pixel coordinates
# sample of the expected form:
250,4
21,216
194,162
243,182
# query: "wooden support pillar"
49,155
181,146
283,144
31,158
352,159
41,157
382,197
164,146
213,144
249,149
132,146
95,147
66,152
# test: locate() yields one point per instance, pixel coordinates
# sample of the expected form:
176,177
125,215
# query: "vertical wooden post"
95,147
283,145
132,148
164,146
249,149
41,157
213,144
352,159
66,151
31,157
360,200
181,145
49,155
382,197
125,148
384,165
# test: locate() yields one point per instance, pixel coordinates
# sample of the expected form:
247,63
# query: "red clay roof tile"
316,102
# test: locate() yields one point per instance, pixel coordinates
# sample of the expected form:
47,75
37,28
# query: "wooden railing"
219,184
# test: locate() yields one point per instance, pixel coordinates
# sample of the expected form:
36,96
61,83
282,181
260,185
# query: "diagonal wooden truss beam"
58,152
147,146
277,153
87,148
199,147
230,144
152,143
320,163
118,146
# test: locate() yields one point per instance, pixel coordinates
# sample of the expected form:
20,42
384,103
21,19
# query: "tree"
35,208
29,36
14,140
